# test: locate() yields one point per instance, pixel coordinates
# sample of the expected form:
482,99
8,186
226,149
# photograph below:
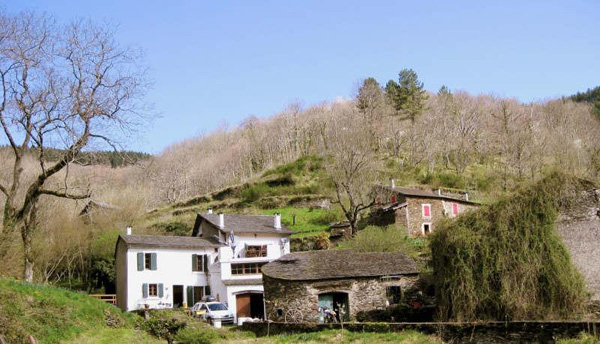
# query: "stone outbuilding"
417,209
300,285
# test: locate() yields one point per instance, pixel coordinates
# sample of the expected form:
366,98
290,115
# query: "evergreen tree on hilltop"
591,96
408,96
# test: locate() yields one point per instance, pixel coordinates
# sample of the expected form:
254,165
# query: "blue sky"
220,61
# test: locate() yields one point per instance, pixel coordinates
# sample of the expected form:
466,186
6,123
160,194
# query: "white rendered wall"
173,267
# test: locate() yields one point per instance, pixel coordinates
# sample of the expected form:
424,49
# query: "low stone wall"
484,332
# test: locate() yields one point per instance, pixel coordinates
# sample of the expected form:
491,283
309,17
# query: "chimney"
439,192
128,230
221,220
466,196
210,210
277,221
392,183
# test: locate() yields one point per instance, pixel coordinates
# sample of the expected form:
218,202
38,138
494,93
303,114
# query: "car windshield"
217,307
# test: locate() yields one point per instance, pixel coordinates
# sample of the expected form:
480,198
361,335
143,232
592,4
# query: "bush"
506,261
383,239
325,218
174,228
254,192
162,324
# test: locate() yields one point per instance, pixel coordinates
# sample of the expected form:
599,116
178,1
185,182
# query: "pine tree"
408,96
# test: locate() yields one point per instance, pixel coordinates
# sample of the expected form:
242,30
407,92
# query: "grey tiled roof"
334,264
424,193
158,241
246,223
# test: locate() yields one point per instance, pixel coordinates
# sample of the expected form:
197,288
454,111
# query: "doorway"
250,305
177,296
335,301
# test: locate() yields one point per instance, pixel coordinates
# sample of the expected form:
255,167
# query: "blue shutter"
145,290
153,261
207,290
140,261
205,261
190,296
194,265
161,292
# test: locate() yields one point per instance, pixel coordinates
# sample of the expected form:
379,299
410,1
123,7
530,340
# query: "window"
394,294
454,209
426,210
246,269
152,290
200,262
146,261
256,251
426,228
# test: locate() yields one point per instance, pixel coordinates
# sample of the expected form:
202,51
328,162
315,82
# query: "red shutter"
393,199
427,210
454,209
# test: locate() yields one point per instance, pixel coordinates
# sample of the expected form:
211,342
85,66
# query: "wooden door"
243,305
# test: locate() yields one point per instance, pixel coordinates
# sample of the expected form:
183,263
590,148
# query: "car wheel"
210,321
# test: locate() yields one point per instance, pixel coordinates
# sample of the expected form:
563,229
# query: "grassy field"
54,315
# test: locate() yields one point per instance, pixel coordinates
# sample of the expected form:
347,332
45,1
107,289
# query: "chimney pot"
392,183
210,211
128,230
277,221
466,196
221,220
439,192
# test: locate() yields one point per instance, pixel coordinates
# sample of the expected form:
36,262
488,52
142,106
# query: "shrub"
506,261
174,228
382,239
326,218
162,324
254,192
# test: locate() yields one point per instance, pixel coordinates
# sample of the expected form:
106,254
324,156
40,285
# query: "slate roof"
165,241
424,194
245,223
334,264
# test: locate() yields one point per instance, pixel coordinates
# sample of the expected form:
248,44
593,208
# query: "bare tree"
60,87
352,165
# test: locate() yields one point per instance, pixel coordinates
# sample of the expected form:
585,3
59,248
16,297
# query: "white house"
223,258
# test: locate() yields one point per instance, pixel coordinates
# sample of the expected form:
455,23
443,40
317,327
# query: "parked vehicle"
211,311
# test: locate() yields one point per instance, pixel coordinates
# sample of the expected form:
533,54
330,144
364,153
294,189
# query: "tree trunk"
26,234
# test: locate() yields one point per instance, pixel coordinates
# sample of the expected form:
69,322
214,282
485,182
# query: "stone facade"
364,294
408,209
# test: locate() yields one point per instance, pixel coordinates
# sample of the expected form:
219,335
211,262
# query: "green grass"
309,222
115,336
583,338
52,315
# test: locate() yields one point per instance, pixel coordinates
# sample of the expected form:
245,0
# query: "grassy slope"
288,189
53,315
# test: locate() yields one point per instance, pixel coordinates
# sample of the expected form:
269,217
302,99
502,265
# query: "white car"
211,311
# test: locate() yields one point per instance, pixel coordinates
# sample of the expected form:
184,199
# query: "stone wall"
364,294
579,228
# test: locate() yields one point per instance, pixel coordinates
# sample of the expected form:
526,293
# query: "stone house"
299,286
416,209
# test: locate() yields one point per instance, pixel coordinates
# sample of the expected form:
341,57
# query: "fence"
108,298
